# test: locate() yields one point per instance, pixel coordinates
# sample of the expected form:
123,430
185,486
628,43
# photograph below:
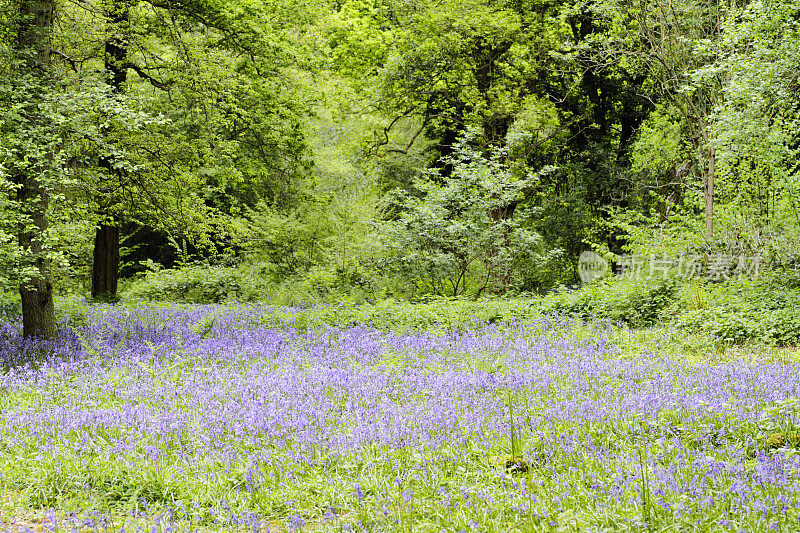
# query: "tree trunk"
706,145
709,194
33,44
505,274
38,313
105,267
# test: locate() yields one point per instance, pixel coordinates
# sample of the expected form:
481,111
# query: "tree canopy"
453,147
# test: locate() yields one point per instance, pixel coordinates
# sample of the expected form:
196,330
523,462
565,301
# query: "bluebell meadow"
209,418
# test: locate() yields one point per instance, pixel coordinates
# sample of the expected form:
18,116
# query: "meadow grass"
235,418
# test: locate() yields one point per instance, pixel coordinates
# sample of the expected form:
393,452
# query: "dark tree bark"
105,264
38,313
33,44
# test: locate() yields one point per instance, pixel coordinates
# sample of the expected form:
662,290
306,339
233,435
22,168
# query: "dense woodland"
366,149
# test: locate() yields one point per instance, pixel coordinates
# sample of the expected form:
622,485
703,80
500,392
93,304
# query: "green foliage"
739,311
291,242
672,233
755,126
587,126
35,140
463,234
636,302
207,117
730,109
73,311
455,65
10,305
258,281
657,148
755,130
392,315
254,281
765,310
326,246
662,172
191,284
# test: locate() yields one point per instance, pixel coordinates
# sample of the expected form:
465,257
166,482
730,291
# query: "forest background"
358,150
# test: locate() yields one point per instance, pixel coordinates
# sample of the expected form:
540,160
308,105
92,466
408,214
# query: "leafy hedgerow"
766,310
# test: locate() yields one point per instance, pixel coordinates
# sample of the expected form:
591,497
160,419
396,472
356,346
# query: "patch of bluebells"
242,415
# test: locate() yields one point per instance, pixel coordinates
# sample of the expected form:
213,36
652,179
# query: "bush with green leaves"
9,305
637,302
764,310
393,315
465,232
189,284
257,281
73,310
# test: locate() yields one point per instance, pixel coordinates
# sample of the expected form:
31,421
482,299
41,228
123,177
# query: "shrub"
638,303
251,282
764,310
391,315
73,311
189,284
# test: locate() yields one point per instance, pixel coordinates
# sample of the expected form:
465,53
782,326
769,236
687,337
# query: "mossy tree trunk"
33,45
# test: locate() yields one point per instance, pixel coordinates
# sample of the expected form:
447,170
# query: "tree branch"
163,85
